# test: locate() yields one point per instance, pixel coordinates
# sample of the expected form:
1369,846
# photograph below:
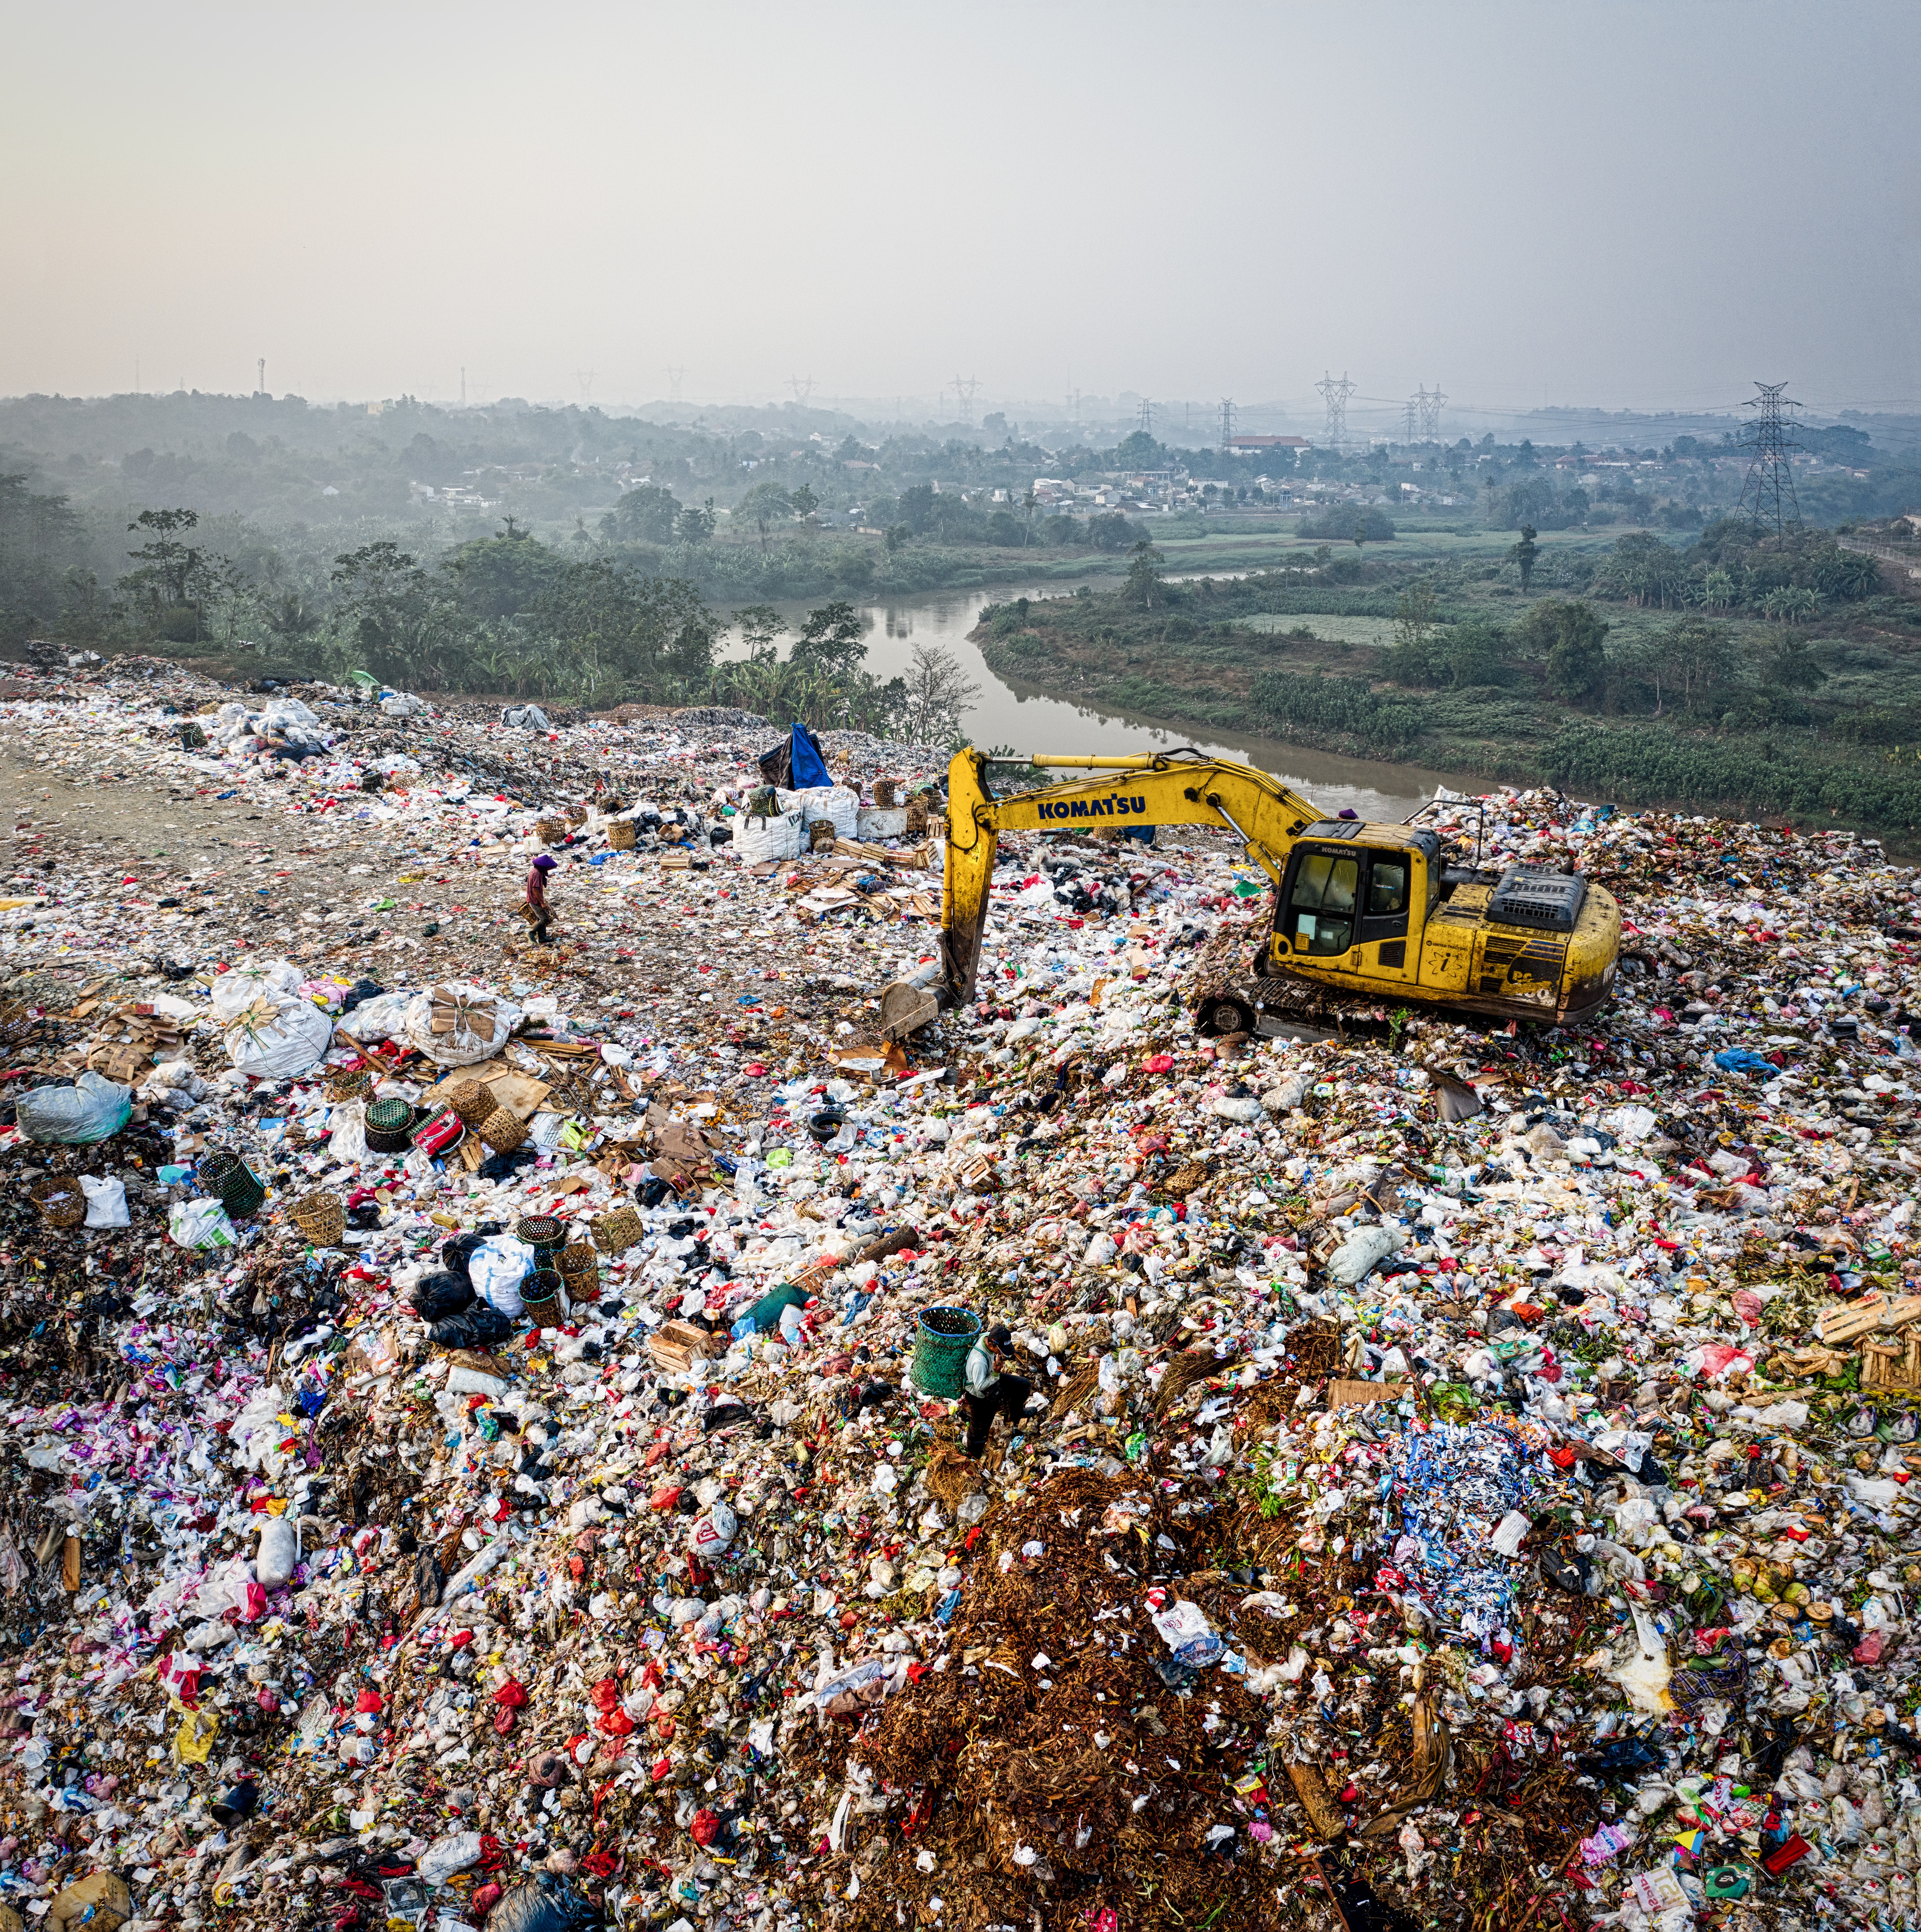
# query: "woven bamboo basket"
58,1197
349,1083
884,791
575,814
620,835
473,1100
552,830
617,1230
579,1266
503,1130
322,1218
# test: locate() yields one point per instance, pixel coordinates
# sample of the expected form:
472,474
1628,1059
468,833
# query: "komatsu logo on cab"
1115,807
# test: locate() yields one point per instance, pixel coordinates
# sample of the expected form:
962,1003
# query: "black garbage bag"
456,1254
443,1293
359,993
478,1327
429,1579
548,1903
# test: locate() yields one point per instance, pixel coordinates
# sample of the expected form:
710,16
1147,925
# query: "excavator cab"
1353,900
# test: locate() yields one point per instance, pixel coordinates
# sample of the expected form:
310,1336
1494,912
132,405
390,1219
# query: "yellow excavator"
1364,915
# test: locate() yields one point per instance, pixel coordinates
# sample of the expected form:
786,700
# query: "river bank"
1015,712
1322,697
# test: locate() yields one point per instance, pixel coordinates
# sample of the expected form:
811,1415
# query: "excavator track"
1230,998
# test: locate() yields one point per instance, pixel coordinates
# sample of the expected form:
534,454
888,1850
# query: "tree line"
506,615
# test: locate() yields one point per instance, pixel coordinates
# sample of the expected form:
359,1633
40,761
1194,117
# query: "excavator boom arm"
1265,814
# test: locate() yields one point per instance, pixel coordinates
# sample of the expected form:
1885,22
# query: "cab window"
1321,908
1387,888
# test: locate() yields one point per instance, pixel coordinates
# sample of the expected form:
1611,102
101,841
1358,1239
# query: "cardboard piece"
513,1089
1343,1394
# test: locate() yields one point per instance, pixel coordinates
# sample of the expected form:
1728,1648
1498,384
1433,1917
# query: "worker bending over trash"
990,1392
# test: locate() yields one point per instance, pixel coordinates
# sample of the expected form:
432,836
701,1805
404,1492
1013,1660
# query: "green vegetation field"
1776,677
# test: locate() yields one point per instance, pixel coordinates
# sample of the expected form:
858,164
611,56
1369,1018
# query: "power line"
802,387
965,389
1768,494
1226,421
1431,409
1335,395
1146,416
674,374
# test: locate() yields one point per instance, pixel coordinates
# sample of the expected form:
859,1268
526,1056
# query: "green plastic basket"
943,1341
240,1189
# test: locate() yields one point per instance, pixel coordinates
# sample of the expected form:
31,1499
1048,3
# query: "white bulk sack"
270,1032
883,822
461,1025
834,802
756,840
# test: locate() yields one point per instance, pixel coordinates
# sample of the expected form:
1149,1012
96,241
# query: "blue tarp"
810,768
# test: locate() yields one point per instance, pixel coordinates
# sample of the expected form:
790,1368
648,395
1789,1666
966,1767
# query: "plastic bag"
447,1855
346,1123
496,1268
174,1081
199,1224
1185,1630
713,1530
1362,1252
91,1109
441,1294
258,1431
383,1017
757,840
279,1553
458,1251
460,1025
106,1201
548,1904
479,1327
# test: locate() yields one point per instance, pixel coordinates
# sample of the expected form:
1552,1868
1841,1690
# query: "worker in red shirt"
537,912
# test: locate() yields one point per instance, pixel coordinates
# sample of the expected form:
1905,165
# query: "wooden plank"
1847,1322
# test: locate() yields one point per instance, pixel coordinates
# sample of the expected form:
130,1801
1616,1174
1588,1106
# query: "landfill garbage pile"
481,1430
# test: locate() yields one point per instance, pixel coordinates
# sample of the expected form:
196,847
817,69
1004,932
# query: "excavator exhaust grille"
1528,896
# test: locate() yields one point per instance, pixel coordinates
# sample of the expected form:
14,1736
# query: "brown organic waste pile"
465,1462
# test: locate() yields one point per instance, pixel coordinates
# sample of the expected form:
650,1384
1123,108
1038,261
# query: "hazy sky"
1620,205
